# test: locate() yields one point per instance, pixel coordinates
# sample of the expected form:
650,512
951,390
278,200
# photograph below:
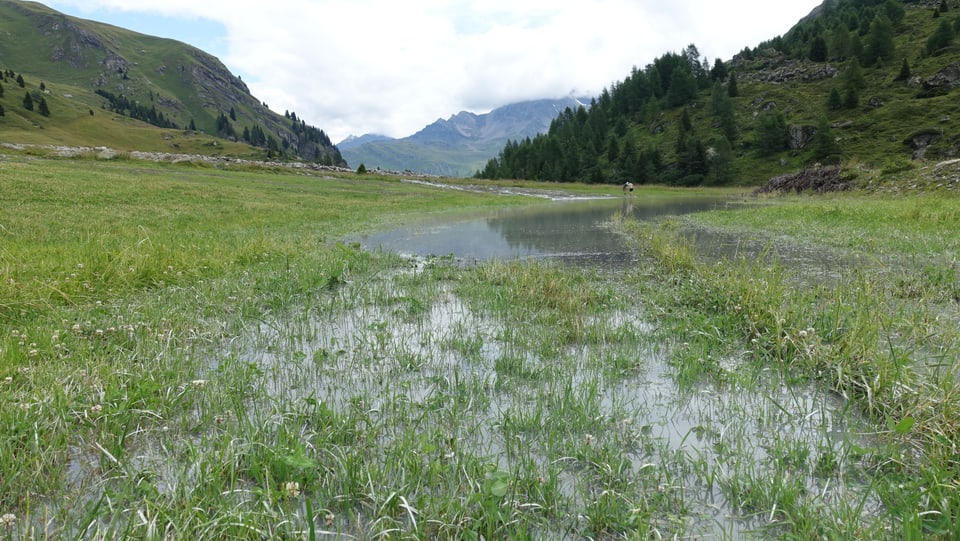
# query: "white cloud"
359,66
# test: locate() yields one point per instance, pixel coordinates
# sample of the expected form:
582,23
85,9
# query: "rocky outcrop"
946,79
921,140
800,136
771,66
817,179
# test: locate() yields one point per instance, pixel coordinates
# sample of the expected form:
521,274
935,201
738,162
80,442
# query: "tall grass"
879,335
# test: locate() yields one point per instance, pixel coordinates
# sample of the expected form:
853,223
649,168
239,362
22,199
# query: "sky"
351,67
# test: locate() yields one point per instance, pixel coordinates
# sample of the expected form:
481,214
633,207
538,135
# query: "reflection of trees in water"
581,226
576,231
554,228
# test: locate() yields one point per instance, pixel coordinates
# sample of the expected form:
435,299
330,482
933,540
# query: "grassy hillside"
71,124
75,59
878,130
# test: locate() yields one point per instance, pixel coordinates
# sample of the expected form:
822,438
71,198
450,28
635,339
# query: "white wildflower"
292,489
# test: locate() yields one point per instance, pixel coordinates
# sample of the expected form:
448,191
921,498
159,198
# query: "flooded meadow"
589,366
508,377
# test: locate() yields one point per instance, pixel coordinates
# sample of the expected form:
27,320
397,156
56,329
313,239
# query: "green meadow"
191,352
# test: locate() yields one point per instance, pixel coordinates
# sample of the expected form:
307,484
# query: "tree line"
613,138
122,105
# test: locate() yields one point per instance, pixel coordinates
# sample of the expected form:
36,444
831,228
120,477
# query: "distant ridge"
460,145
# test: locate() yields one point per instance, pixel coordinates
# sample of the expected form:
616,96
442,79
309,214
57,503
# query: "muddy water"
568,230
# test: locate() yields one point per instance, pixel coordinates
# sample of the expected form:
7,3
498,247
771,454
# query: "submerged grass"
188,353
880,335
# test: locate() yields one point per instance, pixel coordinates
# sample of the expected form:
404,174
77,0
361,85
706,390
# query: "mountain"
870,84
460,145
105,85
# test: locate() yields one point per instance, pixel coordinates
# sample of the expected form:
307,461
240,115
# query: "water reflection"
575,231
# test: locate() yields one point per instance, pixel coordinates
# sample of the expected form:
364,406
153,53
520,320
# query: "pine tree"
834,101
723,109
20,81
824,143
941,38
880,46
28,102
904,71
851,98
818,49
840,46
683,87
772,133
685,123
43,108
719,71
853,76
732,89
721,160
2,112
1,91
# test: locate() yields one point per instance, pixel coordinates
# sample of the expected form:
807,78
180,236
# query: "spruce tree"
824,142
834,101
941,38
851,98
719,71
683,87
43,108
732,89
772,133
904,71
853,76
2,112
723,109
20,81
28,102
880,45
818,49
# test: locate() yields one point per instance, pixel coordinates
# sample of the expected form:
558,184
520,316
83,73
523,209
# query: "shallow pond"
577,231
569,229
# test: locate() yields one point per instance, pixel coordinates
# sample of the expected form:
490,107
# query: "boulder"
946,79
